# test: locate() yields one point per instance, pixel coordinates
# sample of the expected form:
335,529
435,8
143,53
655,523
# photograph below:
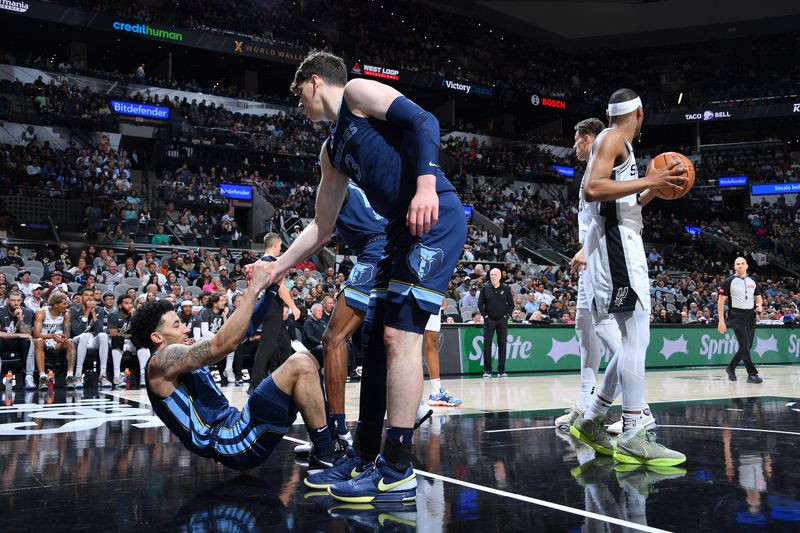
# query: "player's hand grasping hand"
259,274
423,211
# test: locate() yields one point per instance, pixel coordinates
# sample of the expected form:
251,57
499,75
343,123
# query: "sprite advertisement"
556,348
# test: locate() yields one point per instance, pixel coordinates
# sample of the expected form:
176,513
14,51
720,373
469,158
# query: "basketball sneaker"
70,382
487,375
120,382
29,383
643,449
306,449
570,415
591,432
502,375
378,484
78,382
648,422
105,382
345,468
42,382
443,399
230,377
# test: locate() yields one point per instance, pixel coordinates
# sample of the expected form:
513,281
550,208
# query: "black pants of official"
743,324
270,330
490,326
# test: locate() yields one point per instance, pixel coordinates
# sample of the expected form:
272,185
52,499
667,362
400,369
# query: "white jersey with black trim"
625,210
616,261
51,324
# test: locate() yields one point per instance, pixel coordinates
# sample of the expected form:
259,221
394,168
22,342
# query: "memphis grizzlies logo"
424,261
361,274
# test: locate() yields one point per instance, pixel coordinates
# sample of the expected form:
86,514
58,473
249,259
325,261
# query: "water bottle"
51,381
127,378
94,379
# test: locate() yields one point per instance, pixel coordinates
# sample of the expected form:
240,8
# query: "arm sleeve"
425,128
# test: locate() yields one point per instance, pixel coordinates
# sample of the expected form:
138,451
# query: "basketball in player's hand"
665,160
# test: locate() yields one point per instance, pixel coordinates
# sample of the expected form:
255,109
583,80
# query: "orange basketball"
664,160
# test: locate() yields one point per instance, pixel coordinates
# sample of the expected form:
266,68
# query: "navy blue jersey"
381,158
358,222
193,410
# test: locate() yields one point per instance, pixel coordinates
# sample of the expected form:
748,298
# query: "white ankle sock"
436,384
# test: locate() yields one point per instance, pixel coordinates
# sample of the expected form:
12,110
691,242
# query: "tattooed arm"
170,362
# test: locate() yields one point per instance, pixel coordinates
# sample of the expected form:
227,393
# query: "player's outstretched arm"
330,197
168,364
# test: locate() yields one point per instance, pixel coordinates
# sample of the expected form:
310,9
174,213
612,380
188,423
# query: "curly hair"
146,320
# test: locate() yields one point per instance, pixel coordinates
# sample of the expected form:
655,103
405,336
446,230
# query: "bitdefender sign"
140,110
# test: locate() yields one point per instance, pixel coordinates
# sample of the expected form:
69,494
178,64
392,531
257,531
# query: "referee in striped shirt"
745,304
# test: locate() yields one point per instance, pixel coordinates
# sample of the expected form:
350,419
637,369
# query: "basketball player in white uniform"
590,345
617,267
51,326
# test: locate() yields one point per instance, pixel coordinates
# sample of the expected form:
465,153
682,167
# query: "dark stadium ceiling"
574,22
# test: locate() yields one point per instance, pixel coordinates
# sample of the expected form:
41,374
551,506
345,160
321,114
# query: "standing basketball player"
590,345
389,146
617,267
364,232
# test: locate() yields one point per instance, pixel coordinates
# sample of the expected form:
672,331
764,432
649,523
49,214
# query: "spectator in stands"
477,318
35,300
153,276
111,277
518,317
160,236
314,327
470,300
12,258
511,256
24,284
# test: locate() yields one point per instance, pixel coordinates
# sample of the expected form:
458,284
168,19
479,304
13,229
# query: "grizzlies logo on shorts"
361,274
423,260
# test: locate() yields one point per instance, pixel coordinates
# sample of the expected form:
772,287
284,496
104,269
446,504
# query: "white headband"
623,108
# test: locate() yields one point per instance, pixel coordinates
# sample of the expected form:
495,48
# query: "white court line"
527,499
542,503
518,429
734,429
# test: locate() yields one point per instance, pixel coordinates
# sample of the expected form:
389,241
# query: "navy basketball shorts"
360,282
249,436
414,272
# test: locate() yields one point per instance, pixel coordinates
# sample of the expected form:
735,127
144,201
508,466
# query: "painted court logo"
424,261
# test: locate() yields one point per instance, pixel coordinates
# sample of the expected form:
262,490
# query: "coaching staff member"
495,303
745,304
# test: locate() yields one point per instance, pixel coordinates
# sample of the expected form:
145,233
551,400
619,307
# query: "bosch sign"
537,100
373,71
